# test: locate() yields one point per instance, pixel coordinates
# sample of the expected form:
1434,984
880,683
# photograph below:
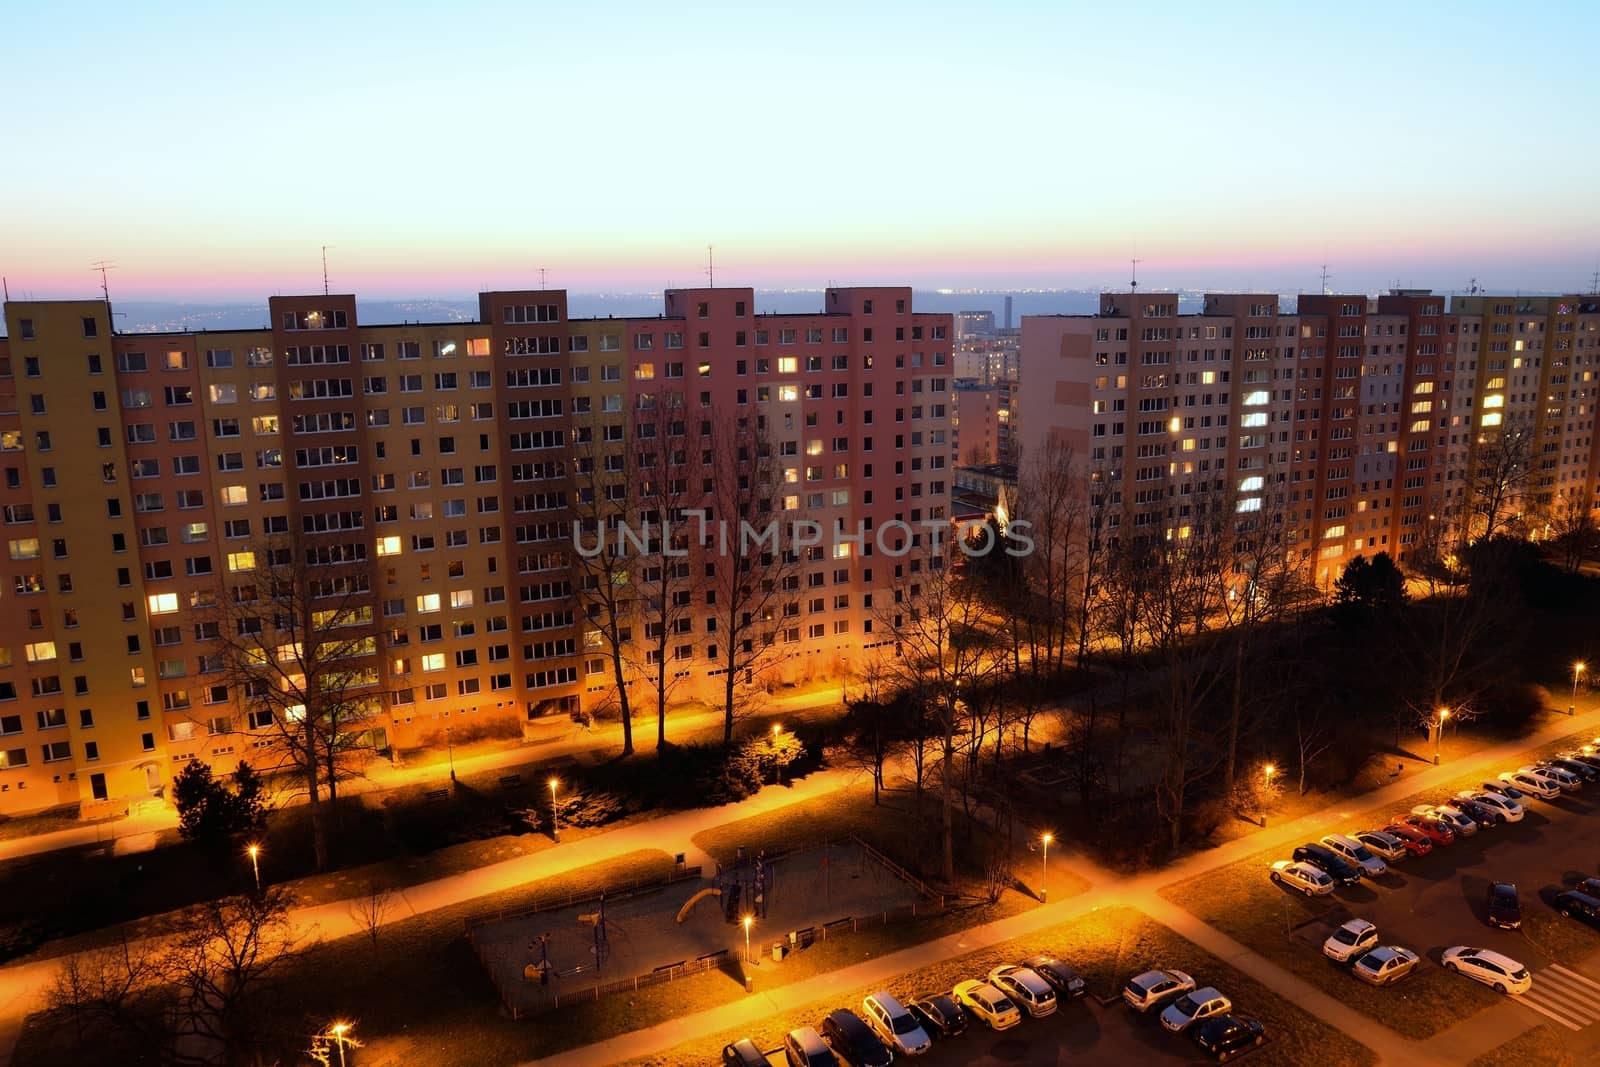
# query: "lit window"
42,651
241,561
163,603
389,546
461,598
433,661
788,364
427,602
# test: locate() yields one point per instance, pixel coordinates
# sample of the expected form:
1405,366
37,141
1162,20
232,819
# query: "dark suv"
853,1041
1505,910
1329,862
940,1015
1224,1036
1580,906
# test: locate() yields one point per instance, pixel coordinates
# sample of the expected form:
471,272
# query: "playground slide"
683,913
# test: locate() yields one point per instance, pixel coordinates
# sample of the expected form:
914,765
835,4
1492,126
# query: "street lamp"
555,812
777,767
255,853
1577,672
1438,733
338,1030
450,751
747,921
1267,772
1044,874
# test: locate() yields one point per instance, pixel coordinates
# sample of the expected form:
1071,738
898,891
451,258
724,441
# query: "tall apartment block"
1363,414
142,469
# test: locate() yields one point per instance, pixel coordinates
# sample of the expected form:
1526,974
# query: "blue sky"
441,148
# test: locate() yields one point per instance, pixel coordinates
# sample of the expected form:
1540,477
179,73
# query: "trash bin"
779,950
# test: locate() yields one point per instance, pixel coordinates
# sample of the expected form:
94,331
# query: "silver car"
1357,855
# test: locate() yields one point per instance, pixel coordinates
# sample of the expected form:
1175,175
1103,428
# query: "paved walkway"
1111,889
552,741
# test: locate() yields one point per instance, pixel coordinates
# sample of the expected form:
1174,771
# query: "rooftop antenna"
6,285
541,277
102,267
1594,284
324,270
1325,277
1472,286
1134,285
711,269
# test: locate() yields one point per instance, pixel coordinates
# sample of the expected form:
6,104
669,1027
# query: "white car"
1193,1007
1532,784
1351,940
987,1003
1311,881
1385,965
1026,987
1485,965
1458,821
1387,846
1356,855
1145,991
1505,789
1569,782
1508,810
896,1026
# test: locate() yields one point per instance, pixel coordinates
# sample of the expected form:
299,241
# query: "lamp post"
1577,672
338,1030
1267,772
555,811
777,767
255,854
747,921
450,752
1044,873
1438,733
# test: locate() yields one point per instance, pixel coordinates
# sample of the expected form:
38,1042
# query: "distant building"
974,324
1008,313
974,423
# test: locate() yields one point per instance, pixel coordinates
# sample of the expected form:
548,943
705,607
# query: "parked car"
1144,991
1312,881
1569,782
1417,843
805,1048
1328,860
1480,818
1505,910
1194,1007
1502,973
1533,783
895,1025
1459,824
853,1040
1508,810
1504,787
1066,980
1026,988
1590,886
1226,1036
1386,846
1385,965
743,1053
1585,907
1436,831
987,1003
1588,759
1350,940
1578,767
1356,855
940,1015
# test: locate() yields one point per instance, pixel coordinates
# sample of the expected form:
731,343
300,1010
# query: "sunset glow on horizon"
439,151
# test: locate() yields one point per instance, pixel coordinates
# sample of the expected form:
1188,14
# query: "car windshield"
1520,973
1504,897
903,1024
1002,1003
1186,1004
1361,853
1345,937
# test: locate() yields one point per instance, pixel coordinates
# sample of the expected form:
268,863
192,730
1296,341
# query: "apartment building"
426,470
1362,413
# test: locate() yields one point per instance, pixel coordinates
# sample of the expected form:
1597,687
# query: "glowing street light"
748,919
1577,672
339,1032
777,767
255,857
1267,772
1438,733
1044,874
555,812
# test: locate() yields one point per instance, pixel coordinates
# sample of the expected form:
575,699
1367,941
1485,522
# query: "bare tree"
607,551
1498,474
1313,736
107,988
944,636
1573,532
298,642
1052,499
371,910
668,489
752,571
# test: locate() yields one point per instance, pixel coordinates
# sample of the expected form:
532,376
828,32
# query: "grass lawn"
1541,1046
1109,946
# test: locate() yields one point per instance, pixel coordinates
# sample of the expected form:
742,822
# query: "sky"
210,151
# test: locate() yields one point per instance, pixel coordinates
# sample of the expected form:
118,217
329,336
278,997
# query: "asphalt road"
1080,1032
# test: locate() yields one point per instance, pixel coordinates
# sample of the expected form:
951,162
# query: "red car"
1417,843
1437,832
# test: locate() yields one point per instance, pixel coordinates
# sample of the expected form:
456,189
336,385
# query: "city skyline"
444,152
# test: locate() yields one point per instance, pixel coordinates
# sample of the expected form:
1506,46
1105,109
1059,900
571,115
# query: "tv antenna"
1134,284
1472,286
102,267
325,269
541,277
1325,277
711,269
1594,284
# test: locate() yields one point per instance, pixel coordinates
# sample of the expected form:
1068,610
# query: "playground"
534,958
